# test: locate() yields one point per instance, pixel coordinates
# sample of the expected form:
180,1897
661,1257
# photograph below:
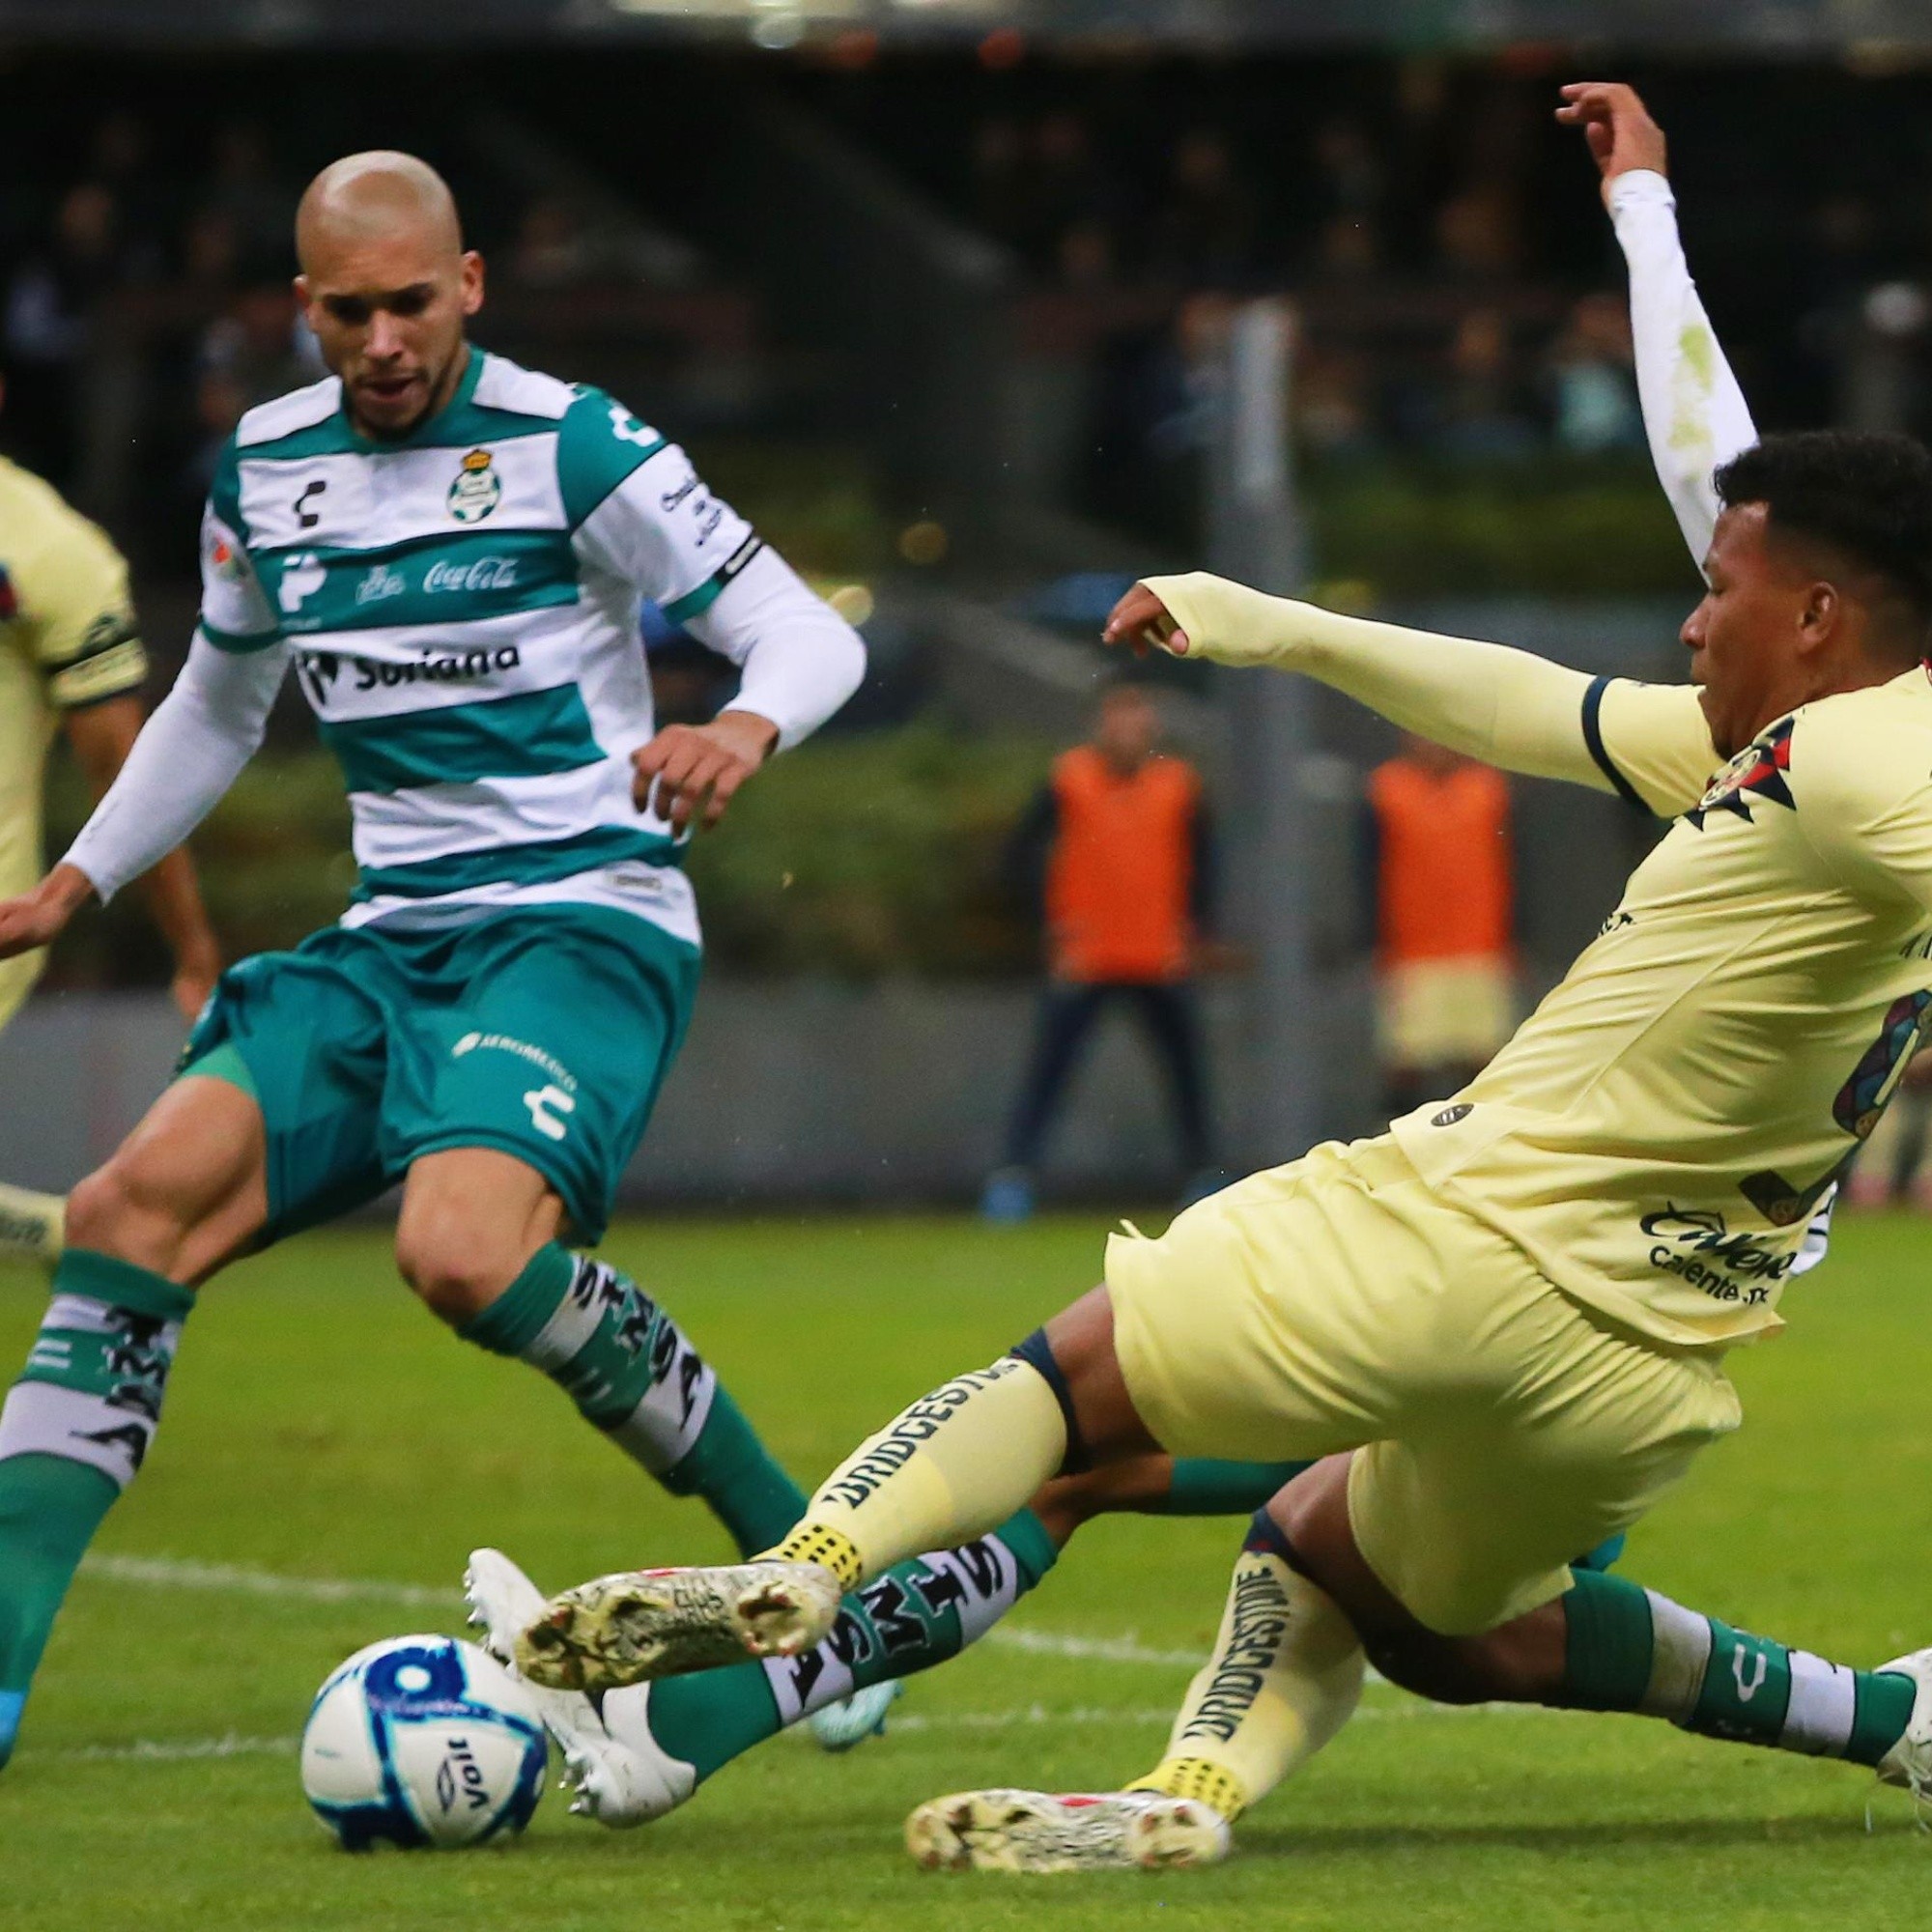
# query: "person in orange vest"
1444,898
1116,849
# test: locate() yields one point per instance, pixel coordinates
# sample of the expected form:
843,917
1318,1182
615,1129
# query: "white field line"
167,1572
185,1750
176,1750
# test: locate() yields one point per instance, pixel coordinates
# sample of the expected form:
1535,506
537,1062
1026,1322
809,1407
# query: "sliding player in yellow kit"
1501,1325
71,657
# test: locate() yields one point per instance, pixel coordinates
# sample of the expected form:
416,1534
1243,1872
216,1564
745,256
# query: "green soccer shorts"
544,1031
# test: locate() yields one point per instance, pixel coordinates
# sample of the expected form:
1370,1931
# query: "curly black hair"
1867,496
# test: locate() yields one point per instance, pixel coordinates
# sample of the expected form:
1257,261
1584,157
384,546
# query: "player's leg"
1173,1021
640,1751
185,1192
1065,1017
519,1088
1238,1325
1604,1643
30,1222
957,1463
477,1240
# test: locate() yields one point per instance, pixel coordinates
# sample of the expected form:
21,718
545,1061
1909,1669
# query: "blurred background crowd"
947,318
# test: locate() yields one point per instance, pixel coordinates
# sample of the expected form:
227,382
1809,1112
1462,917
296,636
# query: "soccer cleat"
1007,1199
620,1783
642,1624
1064,1831
1909,1762
855,1719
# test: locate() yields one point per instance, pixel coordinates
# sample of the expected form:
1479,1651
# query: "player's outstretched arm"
1694,415
103,735
189,753
1509,708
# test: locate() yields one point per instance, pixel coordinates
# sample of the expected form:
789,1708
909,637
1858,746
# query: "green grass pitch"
322,1427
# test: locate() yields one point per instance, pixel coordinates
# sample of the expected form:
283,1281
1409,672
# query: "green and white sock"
633,1374
1204,1485
74,1432
916,1614
1630,1649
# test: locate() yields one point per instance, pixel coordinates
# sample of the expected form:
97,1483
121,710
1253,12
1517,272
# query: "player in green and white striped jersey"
450,553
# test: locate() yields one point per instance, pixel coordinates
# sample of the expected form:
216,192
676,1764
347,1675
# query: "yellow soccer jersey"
67,639
1655,1134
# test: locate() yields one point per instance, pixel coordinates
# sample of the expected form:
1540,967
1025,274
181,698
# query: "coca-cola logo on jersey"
483,573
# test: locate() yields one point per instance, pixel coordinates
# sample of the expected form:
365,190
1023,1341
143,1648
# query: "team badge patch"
1758,770
477,489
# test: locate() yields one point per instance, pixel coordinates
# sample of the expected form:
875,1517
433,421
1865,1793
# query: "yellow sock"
954,1466
830,1548
1213,1784
33,1227
1285,1676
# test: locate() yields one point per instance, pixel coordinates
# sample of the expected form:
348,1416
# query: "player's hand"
692,772
39,917
1622,136
197,967
1141,621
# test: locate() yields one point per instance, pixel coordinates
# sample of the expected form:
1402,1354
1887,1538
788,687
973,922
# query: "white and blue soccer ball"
422,1741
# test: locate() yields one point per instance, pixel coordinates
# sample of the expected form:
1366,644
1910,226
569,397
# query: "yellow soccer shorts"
1444,1013
1339,1304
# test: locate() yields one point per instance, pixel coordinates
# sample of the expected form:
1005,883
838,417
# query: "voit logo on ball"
477,489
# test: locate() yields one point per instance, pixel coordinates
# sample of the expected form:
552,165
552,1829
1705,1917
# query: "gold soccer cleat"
1065,1832
644,1624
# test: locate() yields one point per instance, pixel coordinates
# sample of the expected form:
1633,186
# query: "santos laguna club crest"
477,489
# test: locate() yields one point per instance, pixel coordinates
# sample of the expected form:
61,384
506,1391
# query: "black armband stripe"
1593,737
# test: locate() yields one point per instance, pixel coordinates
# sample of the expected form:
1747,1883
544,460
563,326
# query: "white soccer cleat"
618,1782
855,1719
642,1624
1909,1762
1065,1832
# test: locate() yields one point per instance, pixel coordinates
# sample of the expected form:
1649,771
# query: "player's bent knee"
113,1213
455,1278
1434,1667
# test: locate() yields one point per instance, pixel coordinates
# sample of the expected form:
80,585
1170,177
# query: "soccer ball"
422,1741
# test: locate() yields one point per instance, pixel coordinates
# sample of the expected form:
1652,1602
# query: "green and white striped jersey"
461,608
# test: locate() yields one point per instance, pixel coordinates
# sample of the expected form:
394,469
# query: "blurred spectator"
50,312
1116,849
1202,231
1066,188
1333,403
1481,413
258,349
245,186
1593,377
1894,1166
1478,232
552,249
1437,832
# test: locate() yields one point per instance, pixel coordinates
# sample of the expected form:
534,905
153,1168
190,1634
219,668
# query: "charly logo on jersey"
477,489
1758,770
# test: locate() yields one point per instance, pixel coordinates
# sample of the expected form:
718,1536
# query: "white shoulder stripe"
301,409
504,385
